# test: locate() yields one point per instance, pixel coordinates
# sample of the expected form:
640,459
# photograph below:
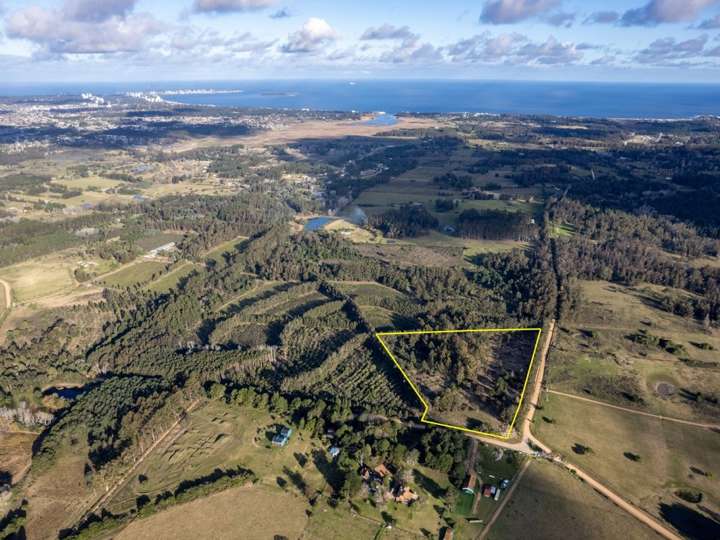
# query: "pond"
65,392
382,119
319,222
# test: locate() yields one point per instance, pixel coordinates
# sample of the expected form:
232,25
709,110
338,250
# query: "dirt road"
635,411
8,293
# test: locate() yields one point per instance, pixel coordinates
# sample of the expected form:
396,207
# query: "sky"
184,40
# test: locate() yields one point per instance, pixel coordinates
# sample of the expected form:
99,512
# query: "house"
497,494
469,483
404,494
382,471
334,451
282,437
487,490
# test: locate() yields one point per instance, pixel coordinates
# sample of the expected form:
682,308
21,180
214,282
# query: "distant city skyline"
562,40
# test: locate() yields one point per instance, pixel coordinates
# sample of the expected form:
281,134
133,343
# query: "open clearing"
671,456
40,277
550,503
260,512
15,453
138,272
596,357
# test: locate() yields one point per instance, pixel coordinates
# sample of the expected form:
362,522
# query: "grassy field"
671,456
15,453
254,513
551,503
40,277
217,252
220,436
89,182
594,350
172,278
133,273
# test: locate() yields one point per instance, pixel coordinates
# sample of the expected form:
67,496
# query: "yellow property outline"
508,433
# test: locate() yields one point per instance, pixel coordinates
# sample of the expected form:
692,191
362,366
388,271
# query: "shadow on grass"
689,522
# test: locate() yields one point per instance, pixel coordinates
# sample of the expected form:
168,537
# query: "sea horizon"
651,100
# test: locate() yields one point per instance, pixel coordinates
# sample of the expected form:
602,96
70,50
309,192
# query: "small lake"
382,120
319,222
66,392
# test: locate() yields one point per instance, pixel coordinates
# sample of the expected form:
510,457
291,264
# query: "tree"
217,391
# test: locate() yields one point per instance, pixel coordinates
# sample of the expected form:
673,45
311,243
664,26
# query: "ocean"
615,100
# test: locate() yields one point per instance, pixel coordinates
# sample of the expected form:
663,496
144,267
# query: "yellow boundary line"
508,433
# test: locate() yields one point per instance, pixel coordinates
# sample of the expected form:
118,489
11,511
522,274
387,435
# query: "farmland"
646,459
549,503
596,348
139,272
252,510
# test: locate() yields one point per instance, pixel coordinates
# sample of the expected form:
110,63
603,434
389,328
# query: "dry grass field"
252,513
40,277
15,453
550,503
57,496
220,436
594,349
671,456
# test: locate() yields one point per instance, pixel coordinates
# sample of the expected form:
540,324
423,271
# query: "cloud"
314,34
602,17
665,11
74,30
710,24
412,51
93,11
231,6
388,31
283,13
561,19
512,11
666,50
512,48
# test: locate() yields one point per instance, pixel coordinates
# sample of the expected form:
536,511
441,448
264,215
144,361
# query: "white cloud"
94,11
231,6
58,32
388,31
665,11
512,11
314,34
513,48
665,50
